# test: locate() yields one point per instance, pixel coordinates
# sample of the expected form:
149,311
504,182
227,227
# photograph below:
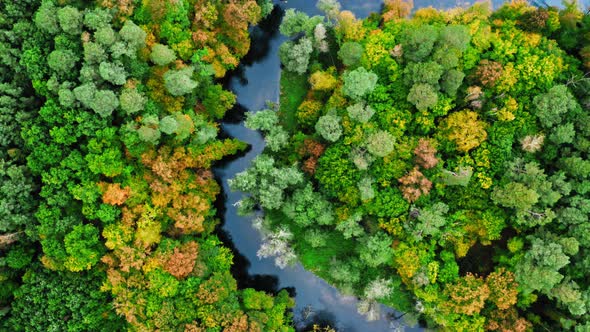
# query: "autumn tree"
488,72
425,154
465,130
468,294
414,184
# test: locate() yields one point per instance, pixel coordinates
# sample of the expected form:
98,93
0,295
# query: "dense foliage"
437,164
107,137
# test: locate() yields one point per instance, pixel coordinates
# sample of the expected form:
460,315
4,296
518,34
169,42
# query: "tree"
132,101
503,288
465,130
104,102
376,250
330,7
414,184
316,238
423,96
350,53
133,35
380,143
46,17
459,178
539,269
294,22
83,248
455,36
319,35
295,56
97,17
350,227
568,293
162,55
428,72
431,220
451,81
63,301
105,35
488,72
307,207
553,105
264,120
328,126
360,112
94,53
179,82
358,83
515,195
418,42
532,143
366,190
467,295
62,61
276,245
563,134
113,72
70,20
322,81
396,9
425,154
168,125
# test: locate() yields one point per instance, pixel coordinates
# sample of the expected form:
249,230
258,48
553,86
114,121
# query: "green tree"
360,112
423,96
455,36
113,72
132,101
179,82
328,126
104,102
515,195
63,301
70,20
350,53
380,143
539,269
105,35
428,72
295,55
376,250
552,106
451,81
46,17
62,61
83,247
162,55
133,35
264,120
358,83
418,42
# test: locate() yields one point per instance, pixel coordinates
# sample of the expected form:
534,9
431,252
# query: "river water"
255,82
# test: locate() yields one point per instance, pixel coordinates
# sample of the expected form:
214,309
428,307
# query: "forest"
434,161
437,162
109,127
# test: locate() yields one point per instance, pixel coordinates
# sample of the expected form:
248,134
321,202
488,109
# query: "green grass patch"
317,260
293,90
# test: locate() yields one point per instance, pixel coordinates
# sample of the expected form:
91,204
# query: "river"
255,82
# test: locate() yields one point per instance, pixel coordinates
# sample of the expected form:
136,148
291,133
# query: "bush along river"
256,82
